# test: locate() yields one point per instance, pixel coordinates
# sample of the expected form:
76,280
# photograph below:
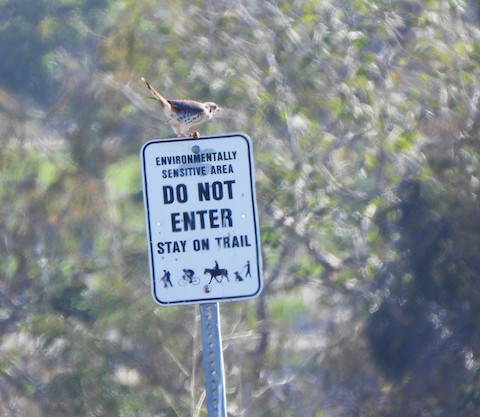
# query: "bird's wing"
157,95
187,105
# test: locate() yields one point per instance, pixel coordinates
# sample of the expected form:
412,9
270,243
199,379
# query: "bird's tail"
156,95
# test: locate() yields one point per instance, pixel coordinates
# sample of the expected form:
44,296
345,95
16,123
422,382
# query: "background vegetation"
365,120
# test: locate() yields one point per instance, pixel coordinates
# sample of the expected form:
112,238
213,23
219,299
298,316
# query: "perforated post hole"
213,360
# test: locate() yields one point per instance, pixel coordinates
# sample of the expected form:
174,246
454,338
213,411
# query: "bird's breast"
191,117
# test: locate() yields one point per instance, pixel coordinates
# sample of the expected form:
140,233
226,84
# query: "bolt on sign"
201,218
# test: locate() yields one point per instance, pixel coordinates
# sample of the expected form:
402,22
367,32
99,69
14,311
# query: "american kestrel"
183,115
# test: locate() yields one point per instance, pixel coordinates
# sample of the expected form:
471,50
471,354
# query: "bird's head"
212,108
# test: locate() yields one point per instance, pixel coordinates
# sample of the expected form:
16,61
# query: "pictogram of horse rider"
216,272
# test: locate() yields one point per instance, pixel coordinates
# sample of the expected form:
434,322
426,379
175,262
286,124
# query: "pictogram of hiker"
166,279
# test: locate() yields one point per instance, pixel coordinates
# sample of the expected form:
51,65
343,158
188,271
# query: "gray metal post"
213,360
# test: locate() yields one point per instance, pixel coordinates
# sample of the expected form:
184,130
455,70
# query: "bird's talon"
196,135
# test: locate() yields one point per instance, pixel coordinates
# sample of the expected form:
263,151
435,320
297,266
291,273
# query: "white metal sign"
202,226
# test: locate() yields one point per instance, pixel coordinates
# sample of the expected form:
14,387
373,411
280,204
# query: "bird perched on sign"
183,115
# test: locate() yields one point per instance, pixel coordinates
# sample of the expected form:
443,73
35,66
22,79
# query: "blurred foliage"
365,120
